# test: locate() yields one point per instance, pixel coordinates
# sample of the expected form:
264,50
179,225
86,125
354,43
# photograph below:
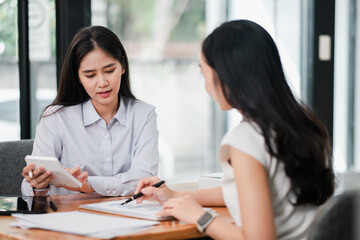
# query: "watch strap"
204,221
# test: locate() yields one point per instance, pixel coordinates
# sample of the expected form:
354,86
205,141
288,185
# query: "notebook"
210,180
146,209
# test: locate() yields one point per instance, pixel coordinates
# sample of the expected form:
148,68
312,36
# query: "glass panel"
42,57
341,71
9,69
163,39
356,122
281,18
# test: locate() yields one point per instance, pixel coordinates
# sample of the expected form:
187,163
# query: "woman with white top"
277,162
99,131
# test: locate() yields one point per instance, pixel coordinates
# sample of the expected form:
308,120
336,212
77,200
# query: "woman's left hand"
82,177
183,208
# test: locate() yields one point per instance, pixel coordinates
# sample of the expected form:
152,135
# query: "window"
9,81
346,100
42,57
163,42
42,64
282,20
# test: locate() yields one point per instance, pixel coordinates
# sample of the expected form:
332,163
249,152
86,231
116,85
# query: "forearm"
205,197
220,229
121,184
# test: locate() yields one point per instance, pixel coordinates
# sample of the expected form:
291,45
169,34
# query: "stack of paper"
146,209
93,225
210,180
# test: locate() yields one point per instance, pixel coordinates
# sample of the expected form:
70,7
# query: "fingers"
87,187
146,182
165,212
149,192
170,207
40,177
83,177
174,203
141,184
183,208
30,166
45,180
41,180
159,194
26,170
38,171
75,171
141,199
35,173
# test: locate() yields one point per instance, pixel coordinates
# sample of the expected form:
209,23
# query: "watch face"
204,218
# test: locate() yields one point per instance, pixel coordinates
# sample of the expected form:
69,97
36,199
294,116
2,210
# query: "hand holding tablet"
62,177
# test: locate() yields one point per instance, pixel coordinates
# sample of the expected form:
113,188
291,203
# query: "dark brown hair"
248,64
70,91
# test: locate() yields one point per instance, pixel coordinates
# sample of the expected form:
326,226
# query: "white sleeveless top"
292,222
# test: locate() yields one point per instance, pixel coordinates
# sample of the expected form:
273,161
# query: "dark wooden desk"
171,229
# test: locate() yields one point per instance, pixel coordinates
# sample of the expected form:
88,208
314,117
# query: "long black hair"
71,91
248,64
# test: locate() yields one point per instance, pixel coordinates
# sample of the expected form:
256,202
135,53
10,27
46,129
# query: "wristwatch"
205,220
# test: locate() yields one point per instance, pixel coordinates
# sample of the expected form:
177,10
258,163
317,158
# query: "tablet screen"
23,204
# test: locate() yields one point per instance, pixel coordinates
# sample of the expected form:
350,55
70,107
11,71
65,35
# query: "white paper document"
210,180
94,225
146,209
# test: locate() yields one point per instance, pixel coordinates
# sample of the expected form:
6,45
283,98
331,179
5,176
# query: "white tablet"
62,177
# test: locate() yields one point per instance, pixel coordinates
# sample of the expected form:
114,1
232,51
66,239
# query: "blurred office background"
318,42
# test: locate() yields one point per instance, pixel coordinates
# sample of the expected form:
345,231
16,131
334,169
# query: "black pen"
140,194
52,204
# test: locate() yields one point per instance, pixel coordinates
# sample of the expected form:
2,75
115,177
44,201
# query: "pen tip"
53,206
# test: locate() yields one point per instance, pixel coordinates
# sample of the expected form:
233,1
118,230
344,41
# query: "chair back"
339,218
12,162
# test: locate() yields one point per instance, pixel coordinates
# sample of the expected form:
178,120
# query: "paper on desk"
146,209
94,225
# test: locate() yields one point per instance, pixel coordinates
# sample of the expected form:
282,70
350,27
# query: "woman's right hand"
40,177
160,194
